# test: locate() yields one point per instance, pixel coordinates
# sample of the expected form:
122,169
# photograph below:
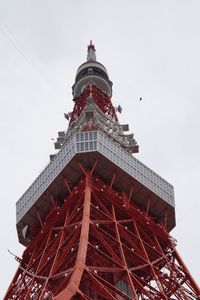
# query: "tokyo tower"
95,223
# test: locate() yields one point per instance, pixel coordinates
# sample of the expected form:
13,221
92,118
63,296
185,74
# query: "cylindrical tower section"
91,72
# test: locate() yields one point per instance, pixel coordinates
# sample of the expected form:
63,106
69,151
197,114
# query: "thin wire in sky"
27,56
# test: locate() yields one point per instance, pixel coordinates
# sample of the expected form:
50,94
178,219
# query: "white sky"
151,50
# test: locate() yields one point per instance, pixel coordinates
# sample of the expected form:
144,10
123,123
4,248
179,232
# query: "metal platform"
87,148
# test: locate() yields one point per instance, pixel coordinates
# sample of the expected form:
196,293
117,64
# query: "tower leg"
97,244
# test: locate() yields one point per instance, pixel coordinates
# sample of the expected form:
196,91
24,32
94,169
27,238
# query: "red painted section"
102,100
79,267
98,245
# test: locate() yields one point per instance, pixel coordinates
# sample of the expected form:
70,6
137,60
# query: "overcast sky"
151,50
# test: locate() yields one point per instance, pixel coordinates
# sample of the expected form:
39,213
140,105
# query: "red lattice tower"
96,221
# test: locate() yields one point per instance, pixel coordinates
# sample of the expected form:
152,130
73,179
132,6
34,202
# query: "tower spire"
91,56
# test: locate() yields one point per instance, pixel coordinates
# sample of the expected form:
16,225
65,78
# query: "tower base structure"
97,244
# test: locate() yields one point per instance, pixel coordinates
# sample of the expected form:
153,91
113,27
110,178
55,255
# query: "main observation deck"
87,148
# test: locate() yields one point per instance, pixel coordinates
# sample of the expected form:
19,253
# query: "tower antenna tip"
91,52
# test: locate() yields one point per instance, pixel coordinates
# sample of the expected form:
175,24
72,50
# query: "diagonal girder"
93,246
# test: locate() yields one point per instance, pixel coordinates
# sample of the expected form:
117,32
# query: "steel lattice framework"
98,245
100,98
96,221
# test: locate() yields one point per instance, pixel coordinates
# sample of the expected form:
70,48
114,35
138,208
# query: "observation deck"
91,71
86,148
